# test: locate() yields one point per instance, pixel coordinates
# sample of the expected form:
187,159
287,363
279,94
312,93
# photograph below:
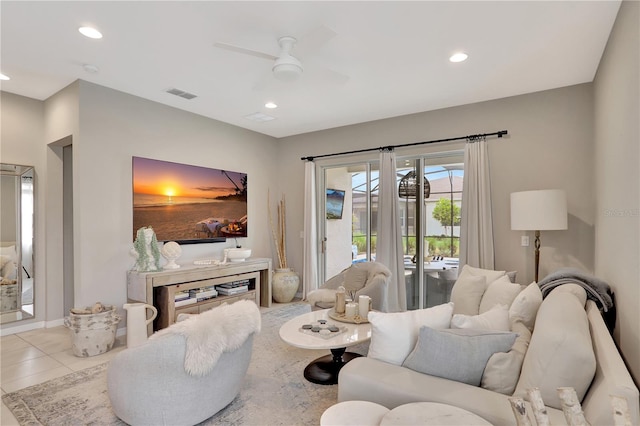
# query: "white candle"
363,305
351,310
340,301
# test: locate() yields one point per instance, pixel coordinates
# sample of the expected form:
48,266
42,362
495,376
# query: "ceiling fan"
288,68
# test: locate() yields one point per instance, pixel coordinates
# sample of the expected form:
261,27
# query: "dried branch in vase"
279,233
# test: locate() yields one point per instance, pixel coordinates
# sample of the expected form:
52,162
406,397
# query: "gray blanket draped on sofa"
597,290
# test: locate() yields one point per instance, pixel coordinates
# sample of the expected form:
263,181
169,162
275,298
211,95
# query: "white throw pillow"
394,334
499,292
467,293
525,306
503,369
489,274
496,318
560,353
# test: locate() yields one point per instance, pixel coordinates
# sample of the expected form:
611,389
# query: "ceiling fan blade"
244,51
314,39
329,75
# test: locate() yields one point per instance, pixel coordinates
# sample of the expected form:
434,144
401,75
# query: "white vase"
284,285
137,322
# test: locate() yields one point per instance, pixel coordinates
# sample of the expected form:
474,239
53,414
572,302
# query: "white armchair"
187,372
366,278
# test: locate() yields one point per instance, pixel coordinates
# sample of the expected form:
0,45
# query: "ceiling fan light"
287,71
90,32
458,57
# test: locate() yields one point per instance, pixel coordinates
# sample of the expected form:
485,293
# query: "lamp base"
536,244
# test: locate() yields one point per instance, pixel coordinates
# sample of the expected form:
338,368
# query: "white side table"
431,414
353,413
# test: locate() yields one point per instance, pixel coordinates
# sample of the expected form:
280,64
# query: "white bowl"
238,254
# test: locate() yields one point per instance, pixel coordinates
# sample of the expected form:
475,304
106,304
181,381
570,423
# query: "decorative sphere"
171,251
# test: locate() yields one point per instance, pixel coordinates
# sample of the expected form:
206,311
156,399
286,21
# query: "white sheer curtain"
310,251
389,250
476,227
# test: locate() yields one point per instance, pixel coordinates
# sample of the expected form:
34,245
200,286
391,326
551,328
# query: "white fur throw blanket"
209,334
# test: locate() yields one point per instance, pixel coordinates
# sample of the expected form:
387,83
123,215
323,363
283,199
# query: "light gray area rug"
274,392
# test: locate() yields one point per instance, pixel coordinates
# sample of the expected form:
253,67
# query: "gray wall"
22,133
107,128
115,126
617,161
550,142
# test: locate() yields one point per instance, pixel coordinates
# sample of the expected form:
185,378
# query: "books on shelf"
234,284
205,293
185,302
181,295
233,290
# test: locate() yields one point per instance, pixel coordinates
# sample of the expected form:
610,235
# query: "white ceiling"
396,54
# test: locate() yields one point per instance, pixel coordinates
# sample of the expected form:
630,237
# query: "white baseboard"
45,324
22,328
54,323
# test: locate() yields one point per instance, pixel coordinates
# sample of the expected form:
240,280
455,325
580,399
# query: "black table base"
324,370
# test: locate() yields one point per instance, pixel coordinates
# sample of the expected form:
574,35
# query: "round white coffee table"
353,413
431,414
324,370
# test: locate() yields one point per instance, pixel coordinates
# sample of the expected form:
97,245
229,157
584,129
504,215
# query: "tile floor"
35,356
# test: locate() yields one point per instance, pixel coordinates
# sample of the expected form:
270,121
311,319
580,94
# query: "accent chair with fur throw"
365,278
187,372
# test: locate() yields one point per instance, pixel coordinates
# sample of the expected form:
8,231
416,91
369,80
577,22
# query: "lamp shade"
543,210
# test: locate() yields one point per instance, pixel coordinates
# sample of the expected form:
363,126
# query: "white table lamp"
543,210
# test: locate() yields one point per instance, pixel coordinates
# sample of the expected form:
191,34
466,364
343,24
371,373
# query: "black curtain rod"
392,147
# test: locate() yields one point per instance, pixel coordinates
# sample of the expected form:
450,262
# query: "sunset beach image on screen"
188,203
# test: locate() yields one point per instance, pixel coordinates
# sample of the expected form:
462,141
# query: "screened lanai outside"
430,229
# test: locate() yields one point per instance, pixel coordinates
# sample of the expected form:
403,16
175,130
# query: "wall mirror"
16,242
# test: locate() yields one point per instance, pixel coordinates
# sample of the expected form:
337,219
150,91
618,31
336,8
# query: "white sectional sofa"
556,356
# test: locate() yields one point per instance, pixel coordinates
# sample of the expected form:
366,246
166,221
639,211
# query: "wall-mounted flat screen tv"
188,204
335,203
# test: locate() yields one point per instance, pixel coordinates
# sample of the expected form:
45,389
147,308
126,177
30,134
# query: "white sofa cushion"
394,334
499,292
469,288
467,293
525,306
560,353
503,369
457,354
496,318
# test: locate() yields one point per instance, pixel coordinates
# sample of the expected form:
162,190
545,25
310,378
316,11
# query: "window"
429,228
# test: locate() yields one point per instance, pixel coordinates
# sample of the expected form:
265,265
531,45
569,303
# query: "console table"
158,288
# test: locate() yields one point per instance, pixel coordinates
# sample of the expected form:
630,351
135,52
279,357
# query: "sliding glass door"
429,219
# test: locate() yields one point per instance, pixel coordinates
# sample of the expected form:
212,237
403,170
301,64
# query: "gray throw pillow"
457,354
355,278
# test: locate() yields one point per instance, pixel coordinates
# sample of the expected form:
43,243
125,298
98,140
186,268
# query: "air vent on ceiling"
259,117
181,93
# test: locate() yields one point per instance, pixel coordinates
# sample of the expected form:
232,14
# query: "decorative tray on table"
342,318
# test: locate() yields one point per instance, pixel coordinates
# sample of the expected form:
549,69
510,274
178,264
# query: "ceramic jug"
137,322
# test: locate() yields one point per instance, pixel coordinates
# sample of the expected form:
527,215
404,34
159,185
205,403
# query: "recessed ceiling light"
270,105
4,77
92,69
458,57
90,32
